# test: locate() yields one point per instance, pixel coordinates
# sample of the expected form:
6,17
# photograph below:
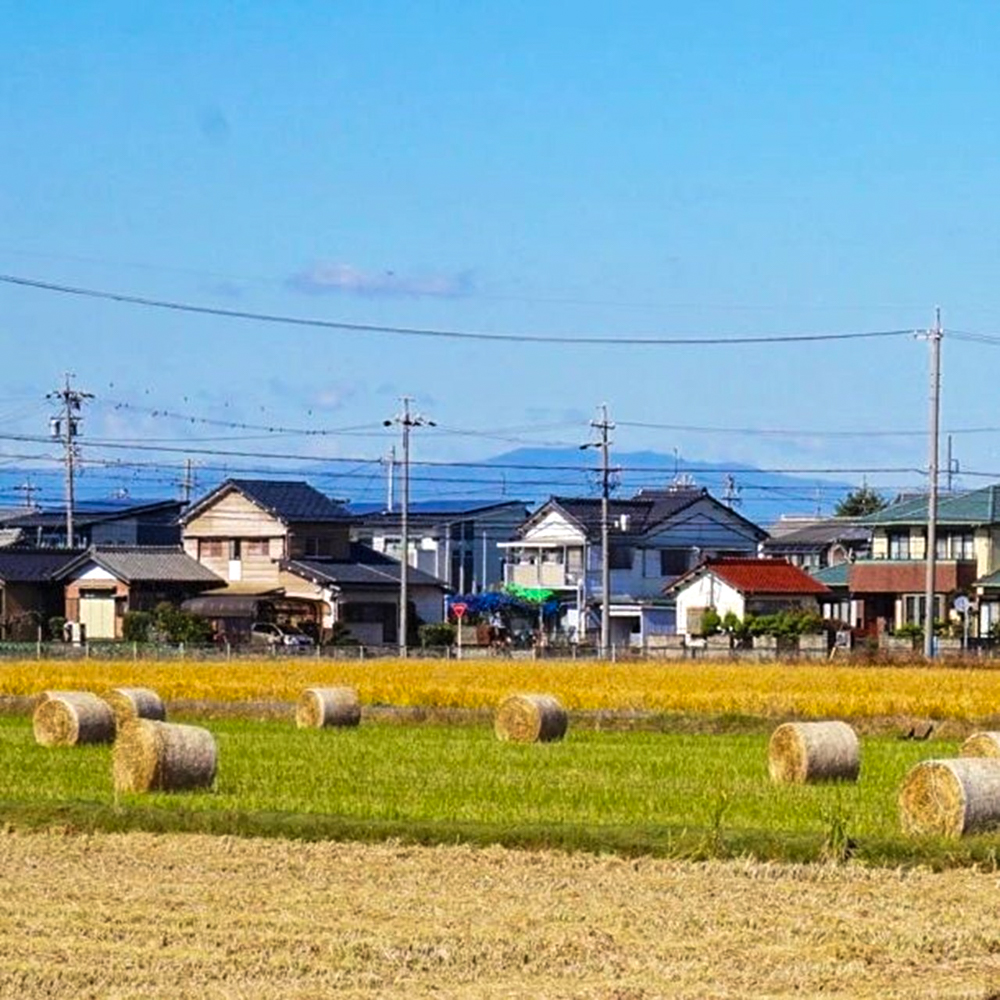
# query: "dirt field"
174,916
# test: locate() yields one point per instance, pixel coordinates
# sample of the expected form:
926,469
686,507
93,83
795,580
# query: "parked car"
269,634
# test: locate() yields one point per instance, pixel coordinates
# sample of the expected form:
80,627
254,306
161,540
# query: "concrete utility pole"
188,483
65,428
406,421
390,462
29,489
604,426
934,338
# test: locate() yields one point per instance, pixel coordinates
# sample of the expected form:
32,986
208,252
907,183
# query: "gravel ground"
139,915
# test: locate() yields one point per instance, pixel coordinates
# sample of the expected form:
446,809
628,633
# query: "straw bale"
68,718
981,745
320,707
530,718
951,797
814,751
135,703
162,756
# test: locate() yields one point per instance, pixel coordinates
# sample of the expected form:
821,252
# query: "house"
30,592
654,537
97,524
889,588
283,551
453,540
105,582
815,543
743,587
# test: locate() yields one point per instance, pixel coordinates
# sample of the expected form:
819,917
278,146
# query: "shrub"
56,624
174,625
136,626
437,634
711,623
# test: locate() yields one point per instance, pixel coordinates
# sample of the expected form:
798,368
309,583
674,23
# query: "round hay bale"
135,703
981,745
68,718
951,797
802,752
151,756
319,708
530,718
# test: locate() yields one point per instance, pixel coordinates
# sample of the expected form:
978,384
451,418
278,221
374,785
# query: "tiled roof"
631,518
976,507
430,508
33,565
84,514
908,576
290,501
755,576
366,567
147,564
819,535
833,576
765,576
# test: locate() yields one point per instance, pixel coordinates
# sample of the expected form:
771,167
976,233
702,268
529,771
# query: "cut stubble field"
138,915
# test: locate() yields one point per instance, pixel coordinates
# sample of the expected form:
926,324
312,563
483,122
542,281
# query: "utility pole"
604,426
29,489
406,420
934,338
187,484
65,428
390,463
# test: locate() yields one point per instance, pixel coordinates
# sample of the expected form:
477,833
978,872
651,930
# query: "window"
673,562
257,547
620,557
899,545
915,608
956,545
318,546
210,548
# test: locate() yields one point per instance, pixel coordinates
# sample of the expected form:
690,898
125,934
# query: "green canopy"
530,595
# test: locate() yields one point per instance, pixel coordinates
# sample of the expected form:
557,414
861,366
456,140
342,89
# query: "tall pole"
604,426
406,420
934,336
65,427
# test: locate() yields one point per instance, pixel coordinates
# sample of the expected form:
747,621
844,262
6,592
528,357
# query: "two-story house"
654,537
888,589
285,552
453,540
153,523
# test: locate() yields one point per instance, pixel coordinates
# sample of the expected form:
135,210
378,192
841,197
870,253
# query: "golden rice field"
696,687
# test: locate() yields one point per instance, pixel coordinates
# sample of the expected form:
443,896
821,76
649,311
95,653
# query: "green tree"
861,502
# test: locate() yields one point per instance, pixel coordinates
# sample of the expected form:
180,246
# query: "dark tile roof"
85,514
150,564
634,517
366,567
819,535
290,501
33,565
431,508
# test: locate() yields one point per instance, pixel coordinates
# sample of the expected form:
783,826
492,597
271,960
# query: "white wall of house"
708,591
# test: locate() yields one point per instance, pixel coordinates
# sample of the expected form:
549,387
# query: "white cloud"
337,277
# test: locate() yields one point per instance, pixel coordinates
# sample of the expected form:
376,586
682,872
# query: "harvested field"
139,916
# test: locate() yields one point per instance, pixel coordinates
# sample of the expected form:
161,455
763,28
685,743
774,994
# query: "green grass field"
637,792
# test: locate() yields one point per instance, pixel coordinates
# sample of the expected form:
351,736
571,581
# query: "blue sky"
647,169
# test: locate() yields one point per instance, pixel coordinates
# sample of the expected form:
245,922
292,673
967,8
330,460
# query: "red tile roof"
764,576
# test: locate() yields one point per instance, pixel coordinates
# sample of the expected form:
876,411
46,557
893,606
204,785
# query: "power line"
243,314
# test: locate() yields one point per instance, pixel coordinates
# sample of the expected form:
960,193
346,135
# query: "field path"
139,915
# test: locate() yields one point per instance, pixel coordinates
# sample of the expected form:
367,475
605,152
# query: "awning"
224,606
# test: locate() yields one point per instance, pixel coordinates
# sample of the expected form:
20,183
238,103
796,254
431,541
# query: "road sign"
961,604
458,609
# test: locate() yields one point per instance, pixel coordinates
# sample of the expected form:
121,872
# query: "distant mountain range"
528,474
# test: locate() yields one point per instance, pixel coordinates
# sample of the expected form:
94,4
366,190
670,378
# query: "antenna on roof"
29,489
